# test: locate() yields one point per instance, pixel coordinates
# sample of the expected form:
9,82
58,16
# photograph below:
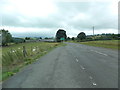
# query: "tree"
46,38
61,35
81,36
27,38
18,40
40,38
73,38
68,38
6,37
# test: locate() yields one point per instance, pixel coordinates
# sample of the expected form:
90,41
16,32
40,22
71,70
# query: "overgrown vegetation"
13,57
112,44
0,63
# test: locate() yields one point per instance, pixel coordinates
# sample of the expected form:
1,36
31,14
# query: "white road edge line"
100,53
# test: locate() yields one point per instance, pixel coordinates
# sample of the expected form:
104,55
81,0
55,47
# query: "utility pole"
93,33
93,30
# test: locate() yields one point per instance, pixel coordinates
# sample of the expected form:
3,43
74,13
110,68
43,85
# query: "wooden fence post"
36,49
24,51
11,50
31,50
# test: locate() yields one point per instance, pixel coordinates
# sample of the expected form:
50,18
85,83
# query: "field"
112,44
16,56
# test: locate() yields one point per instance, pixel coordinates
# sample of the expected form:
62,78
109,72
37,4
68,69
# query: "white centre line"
100,53
77,60
90,77
94,84
82,67
91,50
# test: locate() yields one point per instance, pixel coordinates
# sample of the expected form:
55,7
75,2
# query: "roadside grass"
112,44
13,58
0,63
71,41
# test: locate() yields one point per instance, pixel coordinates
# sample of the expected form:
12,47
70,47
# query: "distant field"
113,44
13,57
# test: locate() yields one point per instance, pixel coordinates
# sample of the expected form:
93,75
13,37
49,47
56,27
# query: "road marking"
90,77
94,84
82,67
75,56
99,53
77,60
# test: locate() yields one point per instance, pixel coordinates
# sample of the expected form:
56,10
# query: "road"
70,66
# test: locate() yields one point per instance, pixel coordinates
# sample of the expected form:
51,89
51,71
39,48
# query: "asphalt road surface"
70,66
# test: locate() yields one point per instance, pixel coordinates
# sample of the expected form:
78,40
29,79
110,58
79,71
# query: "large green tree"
73,38
81,36
61,35
27,38
6,37
68,38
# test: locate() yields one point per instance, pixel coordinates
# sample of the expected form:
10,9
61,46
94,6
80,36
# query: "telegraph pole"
93,30
93,33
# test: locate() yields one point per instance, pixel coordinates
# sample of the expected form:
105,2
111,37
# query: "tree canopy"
61,35
73,38
27,38
68,38
81,36
6,37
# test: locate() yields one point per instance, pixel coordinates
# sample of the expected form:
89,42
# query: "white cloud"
80,16
45,17
34,8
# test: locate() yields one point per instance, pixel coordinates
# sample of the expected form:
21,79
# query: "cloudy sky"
44,17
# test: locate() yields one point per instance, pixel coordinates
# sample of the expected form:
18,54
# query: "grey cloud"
37,34
14,20
99,16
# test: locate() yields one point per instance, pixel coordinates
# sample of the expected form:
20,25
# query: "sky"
42,18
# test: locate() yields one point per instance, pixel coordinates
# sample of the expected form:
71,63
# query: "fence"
22,54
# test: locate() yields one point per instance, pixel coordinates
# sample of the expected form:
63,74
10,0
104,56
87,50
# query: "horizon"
54,36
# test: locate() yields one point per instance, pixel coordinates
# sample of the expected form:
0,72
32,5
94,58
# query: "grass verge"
112,44
13,58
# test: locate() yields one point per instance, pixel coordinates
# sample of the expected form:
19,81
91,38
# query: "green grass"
0,63
112,44
13,58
